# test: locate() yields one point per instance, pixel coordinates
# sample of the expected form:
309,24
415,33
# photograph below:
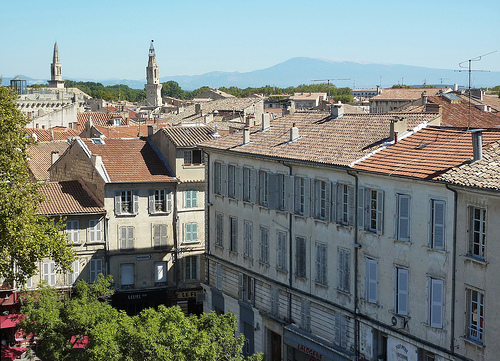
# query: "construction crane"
328,82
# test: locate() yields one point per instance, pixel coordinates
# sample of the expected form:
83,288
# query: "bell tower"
56,71
153,86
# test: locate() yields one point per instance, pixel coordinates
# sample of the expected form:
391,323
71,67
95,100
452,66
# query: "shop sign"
310,351
143,257
186,294
400,351
137,296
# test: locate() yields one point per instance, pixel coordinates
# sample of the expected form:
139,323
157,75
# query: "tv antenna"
328,82
469,67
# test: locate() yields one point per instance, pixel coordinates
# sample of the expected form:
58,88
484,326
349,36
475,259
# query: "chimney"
266,120
477,144
246,135
152,128
197,108
398,125
337,110
424,97
378,90
294,133
433,108
54,156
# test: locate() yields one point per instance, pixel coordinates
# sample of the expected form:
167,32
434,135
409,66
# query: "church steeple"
56,71
153,86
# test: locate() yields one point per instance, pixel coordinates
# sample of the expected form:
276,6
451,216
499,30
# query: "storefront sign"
143,257
137,296
187,294
398,350
310,351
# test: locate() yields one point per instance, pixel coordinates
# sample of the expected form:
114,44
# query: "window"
193,157
219,276
281,251
49,273
72,231
248,238
264,245
72,276
300,196
321,264
476,316
281,188
371,269
217,178
300,257
127,275
160,273
191,198
437,223
95,230
371,209
160,235
246,288
401,303
403,217
343,204
191,232
322,200
126,202
340,330
478,232
248,184
126,234
95,269
263,188
343,269
231,181
160,201
191,271
219,229
436,302
233,241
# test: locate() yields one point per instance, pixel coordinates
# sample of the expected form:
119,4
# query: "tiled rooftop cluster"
187,136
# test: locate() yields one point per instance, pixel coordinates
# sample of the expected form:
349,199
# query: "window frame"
163,279
191,232
72,276
480,243
300,256
159,235
49,273
233,234
401,293
475,328
124,266
321,269
281,251
127,242
95,230
264,245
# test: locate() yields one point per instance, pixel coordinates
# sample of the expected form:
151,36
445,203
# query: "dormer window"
192,157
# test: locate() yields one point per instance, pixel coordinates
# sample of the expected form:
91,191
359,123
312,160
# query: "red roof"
427,153
11,353
55,133
9,321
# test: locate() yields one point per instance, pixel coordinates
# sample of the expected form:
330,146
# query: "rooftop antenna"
328,83
461,65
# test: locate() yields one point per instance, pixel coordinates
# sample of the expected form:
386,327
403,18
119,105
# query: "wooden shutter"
371,280
156,235
438,225
402,291
252,290
52,272
272,194
351,198
118,203
223,181
253,185
168,200
403,224
289,199
328,201
122,231
361,208
297,182
307,197
436,303
130,237
333,202
239,183
136,202
151,201
241,291
380,212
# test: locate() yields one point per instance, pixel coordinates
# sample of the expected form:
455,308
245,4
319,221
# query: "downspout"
356,251
106,246
453,273
175,221
290,258
207,217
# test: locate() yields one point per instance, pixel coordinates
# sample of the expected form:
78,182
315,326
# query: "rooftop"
40,157
188,136
406,93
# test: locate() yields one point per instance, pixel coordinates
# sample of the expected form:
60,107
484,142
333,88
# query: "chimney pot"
477,144
54,156
246,135
294,133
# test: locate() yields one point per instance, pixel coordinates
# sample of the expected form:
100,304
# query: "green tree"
25,235
164,334
172,89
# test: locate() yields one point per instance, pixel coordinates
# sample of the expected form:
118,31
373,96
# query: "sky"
110,39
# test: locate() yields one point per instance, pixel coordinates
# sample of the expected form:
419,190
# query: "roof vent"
246,135
477,144
294,133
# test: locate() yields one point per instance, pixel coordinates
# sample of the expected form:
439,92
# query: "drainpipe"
453,274
207,217
356,251
175,221
106,246
290,258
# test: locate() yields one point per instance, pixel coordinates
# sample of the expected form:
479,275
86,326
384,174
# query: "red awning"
11,353
9,321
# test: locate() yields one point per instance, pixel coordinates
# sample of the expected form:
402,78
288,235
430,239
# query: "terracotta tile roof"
131,160
187,136
456,114
405,93
426,154
321,139
41,157
484,173
121,131
98,118
55,133
493,101
71,197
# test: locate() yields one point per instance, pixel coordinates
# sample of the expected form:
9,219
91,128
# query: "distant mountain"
303,70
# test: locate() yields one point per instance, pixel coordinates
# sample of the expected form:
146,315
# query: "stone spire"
56,71
153,86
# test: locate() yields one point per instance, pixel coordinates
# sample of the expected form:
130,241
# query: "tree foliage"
25,236
110,92
162,334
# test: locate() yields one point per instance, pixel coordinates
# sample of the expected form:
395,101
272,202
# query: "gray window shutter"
328,201
136,202
403,218
98,230
307,196
151,201
438,224
297,181
130,237
123,237
361,208
253,185
168,196
239,183
352,204
215,180
272,194
223,180
436,303
333,202
402,291
118,203
315,186
289,194
252,289
380,212
156,235
241,294
163,234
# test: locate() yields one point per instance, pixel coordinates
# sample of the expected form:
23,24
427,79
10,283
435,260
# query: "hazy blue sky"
110,39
